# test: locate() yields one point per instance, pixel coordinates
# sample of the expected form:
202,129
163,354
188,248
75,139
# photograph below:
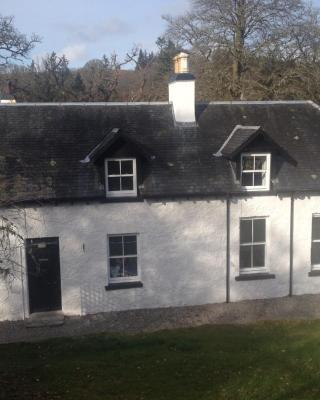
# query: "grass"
274,361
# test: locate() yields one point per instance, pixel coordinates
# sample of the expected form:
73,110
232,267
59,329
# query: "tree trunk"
238,51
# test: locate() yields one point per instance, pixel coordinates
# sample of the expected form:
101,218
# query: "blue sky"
86,29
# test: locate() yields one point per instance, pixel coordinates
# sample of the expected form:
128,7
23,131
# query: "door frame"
27,292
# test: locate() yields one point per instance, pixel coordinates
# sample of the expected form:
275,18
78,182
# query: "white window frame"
314,267
267,171
122,193
265,269
124,279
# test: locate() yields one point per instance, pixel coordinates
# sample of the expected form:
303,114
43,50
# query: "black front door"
43,264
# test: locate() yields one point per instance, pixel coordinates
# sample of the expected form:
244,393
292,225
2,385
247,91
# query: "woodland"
239,50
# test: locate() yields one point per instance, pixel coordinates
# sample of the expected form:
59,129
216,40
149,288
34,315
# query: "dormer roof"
237,139
111,138
241,137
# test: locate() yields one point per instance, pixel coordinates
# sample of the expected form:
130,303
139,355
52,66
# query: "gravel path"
286,308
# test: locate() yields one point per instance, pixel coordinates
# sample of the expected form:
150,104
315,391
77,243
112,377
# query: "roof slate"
238,137
42,146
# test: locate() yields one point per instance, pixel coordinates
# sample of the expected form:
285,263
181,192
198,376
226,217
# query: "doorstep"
45,319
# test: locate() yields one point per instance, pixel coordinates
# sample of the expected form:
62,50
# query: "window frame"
267,171
121,193
314,267
124,279
256,270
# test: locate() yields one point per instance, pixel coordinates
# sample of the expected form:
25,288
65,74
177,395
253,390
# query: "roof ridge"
160,103
112,104
238,102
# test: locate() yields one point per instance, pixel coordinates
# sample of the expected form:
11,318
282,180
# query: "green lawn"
269,361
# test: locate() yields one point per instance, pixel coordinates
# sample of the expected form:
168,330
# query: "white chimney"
182,90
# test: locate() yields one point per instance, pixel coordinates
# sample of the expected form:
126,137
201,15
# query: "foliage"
144,59
167,49
275,360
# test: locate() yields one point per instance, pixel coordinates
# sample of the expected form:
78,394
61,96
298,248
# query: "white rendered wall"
11,301
304,208
182,96
181,254
277,213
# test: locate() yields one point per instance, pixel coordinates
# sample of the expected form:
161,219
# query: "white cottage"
145,205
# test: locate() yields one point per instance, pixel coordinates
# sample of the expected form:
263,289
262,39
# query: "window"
252,245
255,171
315,242
121,177
123,258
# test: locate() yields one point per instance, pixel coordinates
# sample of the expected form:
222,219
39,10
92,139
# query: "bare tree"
48,78
242,27
14,46
305,37
143,63
101,78
11,242
152,70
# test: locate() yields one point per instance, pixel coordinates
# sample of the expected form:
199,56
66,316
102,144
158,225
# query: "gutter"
220,195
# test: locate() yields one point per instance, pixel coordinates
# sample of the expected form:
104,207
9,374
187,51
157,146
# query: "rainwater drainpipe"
228,253
22,286
291,246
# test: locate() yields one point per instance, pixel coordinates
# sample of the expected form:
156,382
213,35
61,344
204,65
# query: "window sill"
111,195
315,272
255,277
123,285
254,189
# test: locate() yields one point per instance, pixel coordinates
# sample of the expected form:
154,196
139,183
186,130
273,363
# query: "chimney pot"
181,63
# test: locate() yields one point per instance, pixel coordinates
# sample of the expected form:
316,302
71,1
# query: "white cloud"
74,52
97,32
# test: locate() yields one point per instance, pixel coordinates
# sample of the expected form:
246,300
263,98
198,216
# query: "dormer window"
255,171
121,177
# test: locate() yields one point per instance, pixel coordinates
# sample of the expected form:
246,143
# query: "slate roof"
42,146
238,137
